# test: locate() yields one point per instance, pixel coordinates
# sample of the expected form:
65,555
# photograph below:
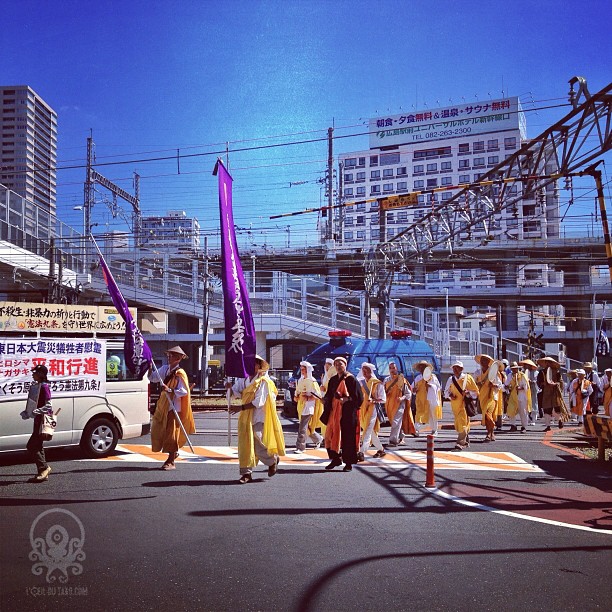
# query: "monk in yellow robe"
489,395
399,394
428,398
373,393
309,407
519,398
459,386
174,403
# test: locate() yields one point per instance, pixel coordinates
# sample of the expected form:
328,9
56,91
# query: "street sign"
410,199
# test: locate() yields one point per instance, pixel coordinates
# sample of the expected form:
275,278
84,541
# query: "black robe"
349,421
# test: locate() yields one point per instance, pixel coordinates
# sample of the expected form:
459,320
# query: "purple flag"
138,356
239,327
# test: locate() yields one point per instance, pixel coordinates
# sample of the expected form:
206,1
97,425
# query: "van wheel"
100,438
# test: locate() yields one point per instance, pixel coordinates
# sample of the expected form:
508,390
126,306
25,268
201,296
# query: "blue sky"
151,77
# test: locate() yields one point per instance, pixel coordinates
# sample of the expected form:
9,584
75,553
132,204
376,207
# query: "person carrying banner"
373,397
341,415
460,386
260,435
174,403
399,394
37,405
309,407
428,392
519,397
490,382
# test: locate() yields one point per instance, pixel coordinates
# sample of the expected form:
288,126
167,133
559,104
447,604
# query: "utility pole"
89,190
204,363
330,183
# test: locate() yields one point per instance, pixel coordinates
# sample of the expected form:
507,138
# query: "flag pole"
601,324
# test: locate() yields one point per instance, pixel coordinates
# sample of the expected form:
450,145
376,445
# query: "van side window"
116,370
408,366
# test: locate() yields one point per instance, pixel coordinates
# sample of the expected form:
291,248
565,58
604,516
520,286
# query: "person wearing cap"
330,371
459,386
309,407
605,386
373,393
580,390
37,405
593,377
260,434
341,415
489,394
174,403
428,395
519,398
399,394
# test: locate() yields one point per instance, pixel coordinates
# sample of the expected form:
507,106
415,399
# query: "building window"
493,160
402,216
390,233
387,187
348,191
531,226
464,178
389,159
374,219
479,146
464,164
390,217
351,162
493,145
361,235
402,186
447,195
421,199
479,162
446,167
419,184
361,191
373,160
432,183
432,167
348,221
375,175
373,206
348,178
348,235
419,169
361,206
402,171
361,162
419,214
510,143
360,176
464,148
388,173
360,219
375,233
446,180
375,189
477,176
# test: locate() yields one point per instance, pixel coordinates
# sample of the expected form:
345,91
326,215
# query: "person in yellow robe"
519,398
459,386
489,395
605,385
260,434
174,403
428,395
373,393
580,391
399,394
309,407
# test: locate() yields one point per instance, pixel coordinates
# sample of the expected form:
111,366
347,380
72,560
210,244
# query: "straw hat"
527,363
421,365
477,358
177,350
264,364
458,364
514,366
548,362
587,364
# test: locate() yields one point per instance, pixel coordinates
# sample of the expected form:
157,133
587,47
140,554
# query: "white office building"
433,149
173,231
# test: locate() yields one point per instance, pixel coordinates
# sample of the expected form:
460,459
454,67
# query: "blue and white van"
400,348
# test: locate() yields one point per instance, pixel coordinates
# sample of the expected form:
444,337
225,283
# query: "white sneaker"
298,451
317,445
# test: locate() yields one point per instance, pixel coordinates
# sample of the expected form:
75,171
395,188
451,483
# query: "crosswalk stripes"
444,460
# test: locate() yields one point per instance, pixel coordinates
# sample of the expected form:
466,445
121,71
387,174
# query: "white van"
94,423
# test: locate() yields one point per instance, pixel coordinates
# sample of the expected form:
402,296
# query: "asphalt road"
535,532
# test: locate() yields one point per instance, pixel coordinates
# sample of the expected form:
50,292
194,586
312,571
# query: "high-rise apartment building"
28,146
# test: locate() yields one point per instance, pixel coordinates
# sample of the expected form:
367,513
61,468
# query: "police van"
400,348
96,423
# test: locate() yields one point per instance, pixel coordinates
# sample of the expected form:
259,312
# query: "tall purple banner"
239,328
138,356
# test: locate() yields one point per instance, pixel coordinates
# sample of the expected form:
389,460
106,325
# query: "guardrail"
600,426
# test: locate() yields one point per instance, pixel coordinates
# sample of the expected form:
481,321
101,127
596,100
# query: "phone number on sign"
444,133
